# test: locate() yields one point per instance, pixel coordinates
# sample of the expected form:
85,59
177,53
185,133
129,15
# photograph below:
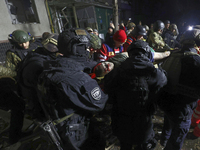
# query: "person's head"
74,42
119,38
95,31
173,28
49,41
141,48
110,30
191,37
146,27
20,38
167,24
131,26
139,32
158,26
103,68
95,42
90,30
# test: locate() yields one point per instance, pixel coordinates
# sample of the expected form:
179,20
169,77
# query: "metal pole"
116,15
75,16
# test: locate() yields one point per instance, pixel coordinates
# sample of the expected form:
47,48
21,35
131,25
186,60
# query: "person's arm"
12,61
161,55
102,53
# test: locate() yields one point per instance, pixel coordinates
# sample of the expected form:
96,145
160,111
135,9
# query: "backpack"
172,65
70,92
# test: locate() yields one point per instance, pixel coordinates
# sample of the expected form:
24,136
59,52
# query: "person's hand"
112,25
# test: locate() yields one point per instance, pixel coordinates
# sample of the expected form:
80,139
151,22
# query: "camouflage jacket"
156,41
13,58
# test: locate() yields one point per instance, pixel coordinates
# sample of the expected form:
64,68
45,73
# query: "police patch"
96,93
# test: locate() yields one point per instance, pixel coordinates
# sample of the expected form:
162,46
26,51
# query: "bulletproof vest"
21,53
138,88
172,66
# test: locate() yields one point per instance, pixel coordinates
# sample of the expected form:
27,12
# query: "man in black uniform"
168,36
179,97
72,91
133,86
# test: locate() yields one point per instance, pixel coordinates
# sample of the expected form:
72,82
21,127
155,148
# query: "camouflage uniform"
12,61
156,41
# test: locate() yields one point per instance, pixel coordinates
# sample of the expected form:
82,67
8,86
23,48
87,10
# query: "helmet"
167,22
88,29
158,25
20,36
191,37
50,42
73,41
130,25
140,47
173,26
95,41
146,27
139,30
196,27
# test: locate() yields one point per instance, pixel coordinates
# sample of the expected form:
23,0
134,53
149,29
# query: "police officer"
155,39
21,45
179,97
168,36
76,92
132,86
167,24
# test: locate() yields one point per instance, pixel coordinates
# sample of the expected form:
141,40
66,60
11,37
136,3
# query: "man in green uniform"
21,44
155,39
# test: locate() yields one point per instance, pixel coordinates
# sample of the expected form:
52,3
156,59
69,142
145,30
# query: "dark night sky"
176,11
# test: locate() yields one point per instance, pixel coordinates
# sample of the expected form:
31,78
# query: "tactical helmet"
173,26
95,41
191,37
74,41
88,29
140,47
139,30
146,27
167,22
20,36
50,42
196,27
158,25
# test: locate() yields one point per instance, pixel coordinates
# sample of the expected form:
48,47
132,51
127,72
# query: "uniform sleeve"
12,60
7,72
158,80
103,53
157,40
10,66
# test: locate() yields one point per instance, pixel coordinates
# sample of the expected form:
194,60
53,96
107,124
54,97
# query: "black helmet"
158,25
20,36
50,42
167,22
74,41
146,27
140,47
191,37
139,30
